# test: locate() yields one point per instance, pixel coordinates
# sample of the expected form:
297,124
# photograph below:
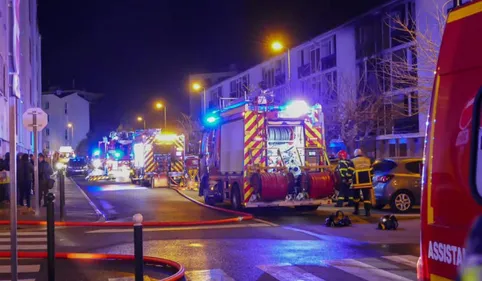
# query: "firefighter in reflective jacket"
362,181
345,171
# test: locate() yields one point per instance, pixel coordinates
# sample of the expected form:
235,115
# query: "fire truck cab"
257,154
452,174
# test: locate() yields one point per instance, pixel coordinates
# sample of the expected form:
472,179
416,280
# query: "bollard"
138,244
62,194
50,237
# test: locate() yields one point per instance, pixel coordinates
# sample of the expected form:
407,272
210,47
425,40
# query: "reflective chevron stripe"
254,150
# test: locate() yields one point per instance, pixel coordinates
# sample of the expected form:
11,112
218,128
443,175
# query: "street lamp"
197,87
71,126
277,46
159,106
140,119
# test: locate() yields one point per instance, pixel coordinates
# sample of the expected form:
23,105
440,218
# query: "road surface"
282,246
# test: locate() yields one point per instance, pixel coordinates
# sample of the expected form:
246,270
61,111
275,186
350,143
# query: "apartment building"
69,117
20,38
372,76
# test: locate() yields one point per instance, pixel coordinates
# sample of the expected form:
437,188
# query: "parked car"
77,166
397,183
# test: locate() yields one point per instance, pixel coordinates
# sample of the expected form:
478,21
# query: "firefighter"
362,181
344,171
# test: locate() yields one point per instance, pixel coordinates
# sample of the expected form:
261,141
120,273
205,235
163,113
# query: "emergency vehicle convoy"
452,174
258,154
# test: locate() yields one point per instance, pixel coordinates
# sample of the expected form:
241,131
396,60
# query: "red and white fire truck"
452,174
257,154
158,154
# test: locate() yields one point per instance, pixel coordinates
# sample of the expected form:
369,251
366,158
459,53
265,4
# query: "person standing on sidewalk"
44,173
362,182
24,176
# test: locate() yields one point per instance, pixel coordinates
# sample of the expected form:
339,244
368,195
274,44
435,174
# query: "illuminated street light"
277,46
140,119
71,127
159,106
197,87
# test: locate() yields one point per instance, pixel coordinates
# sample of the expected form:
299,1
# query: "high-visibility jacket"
345,170
363,172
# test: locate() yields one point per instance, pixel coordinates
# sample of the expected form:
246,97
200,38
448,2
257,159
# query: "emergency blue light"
211,119
96,152
296,109
117,154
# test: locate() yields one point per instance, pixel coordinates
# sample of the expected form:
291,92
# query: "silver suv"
397,183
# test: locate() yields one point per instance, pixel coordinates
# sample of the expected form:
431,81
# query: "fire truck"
257,154
115,151
158,154
452,174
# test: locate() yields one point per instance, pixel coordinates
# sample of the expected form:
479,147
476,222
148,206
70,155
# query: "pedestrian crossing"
27,269
26,241
394,267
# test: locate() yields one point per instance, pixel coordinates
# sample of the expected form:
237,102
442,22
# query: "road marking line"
365,271
25,233
21,268
201,227
24,247
26,239
266,222
288,272
210,274
403,259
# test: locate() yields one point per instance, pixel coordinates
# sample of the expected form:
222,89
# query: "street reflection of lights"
196,245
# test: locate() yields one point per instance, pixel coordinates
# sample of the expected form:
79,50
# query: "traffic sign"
35,118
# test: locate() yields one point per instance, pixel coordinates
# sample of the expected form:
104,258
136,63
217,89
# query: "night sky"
137,51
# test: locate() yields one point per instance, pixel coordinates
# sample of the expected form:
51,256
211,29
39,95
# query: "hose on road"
178,275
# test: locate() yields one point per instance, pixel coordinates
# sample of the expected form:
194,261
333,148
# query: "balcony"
279,79
304,70
263,85
406,125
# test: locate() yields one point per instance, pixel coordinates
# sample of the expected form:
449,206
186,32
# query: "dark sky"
136,51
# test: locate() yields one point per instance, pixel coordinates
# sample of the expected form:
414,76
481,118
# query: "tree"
192,132
408,73
83,148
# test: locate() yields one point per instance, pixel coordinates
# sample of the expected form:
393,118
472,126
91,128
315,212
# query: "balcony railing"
304,71
328,62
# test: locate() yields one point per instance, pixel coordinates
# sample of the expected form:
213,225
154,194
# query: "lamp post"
140,119
159,106
197,87
278,46
71,126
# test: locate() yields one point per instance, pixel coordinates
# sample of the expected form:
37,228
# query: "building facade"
69,118
372,76
19,44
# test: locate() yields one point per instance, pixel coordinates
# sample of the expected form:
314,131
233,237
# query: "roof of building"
88,96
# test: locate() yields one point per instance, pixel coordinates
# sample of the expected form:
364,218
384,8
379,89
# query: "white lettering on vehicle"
445,253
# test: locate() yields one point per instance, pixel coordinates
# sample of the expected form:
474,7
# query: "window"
47,145
402,148
46,105
328,47
47,131
384,165
31,93
315,61
65,108
414,167
66,134
239,87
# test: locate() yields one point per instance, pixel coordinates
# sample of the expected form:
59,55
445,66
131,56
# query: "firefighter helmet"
342,155
388,222
358,152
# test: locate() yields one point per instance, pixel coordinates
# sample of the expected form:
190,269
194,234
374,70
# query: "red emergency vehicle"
452,175
257,154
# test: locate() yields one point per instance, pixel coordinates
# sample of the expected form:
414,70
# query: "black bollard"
50,237
138,244
62,194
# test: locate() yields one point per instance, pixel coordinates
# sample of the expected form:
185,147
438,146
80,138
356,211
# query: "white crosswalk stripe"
27,269
26,241
396,267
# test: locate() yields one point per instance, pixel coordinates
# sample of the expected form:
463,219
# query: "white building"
334,67
27,55
69,118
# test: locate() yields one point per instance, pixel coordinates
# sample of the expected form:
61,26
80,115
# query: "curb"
159,261
96,210
244,215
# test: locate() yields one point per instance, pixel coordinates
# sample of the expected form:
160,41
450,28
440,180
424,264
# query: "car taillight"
384,179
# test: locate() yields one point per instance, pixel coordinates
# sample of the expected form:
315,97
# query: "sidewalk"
77,206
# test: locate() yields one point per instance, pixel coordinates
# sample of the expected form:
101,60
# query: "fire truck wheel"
402,201
236,197
208,200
